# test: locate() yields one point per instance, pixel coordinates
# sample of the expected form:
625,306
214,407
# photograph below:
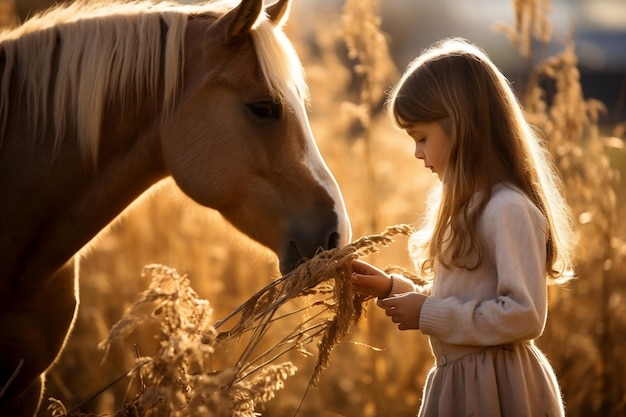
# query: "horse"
101,100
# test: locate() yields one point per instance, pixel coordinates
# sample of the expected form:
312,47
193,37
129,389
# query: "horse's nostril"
333,240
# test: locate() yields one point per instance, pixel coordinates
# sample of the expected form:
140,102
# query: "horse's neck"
57,207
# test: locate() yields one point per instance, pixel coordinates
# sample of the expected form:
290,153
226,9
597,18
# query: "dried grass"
572,124
531,22
328,275
178,380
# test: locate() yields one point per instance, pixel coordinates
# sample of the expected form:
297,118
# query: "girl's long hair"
455,83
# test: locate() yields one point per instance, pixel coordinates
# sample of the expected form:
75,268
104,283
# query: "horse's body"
97,104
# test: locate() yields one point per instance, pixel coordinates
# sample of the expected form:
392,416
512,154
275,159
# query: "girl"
497,229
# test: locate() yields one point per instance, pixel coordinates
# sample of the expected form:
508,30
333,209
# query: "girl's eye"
421,140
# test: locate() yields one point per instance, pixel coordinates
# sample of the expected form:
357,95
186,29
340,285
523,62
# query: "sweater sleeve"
515,241
401,284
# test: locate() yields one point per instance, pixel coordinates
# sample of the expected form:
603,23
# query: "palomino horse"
98,103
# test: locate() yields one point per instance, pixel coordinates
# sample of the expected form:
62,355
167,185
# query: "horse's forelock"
279,62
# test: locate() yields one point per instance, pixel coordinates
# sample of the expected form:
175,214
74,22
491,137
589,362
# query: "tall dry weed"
369,57
179,381
582,148
373,73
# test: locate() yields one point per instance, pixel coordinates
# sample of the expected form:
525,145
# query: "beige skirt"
504,381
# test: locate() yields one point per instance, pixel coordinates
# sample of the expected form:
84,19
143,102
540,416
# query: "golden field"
377,370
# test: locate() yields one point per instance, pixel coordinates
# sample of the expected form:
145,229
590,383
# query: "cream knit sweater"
504,299
481,323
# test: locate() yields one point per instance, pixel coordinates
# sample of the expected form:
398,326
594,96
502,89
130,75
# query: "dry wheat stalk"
327,273
176,381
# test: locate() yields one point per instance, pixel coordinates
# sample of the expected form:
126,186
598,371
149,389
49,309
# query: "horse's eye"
265,109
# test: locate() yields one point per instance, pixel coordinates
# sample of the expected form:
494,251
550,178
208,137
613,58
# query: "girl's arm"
371,281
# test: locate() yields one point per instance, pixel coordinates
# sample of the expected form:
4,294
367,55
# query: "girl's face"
432,145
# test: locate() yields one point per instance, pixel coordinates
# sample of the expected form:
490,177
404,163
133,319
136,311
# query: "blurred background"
567,61
597,27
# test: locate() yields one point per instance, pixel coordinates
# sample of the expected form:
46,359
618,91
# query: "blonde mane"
112,49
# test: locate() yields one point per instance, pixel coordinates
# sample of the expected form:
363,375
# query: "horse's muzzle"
300,250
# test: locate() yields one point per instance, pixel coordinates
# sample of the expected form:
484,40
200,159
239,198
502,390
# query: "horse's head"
238,138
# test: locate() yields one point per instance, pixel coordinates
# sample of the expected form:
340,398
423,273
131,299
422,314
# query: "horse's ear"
239,20
279,12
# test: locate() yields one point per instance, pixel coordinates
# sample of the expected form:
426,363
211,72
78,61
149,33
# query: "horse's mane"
109,46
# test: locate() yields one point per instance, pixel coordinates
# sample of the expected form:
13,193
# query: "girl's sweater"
502,301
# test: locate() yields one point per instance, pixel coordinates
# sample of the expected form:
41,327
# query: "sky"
599,28
599,25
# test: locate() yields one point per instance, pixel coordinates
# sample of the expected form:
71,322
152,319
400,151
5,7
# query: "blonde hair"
456,84
108,48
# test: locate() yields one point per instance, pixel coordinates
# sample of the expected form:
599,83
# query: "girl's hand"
370,281
404,309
